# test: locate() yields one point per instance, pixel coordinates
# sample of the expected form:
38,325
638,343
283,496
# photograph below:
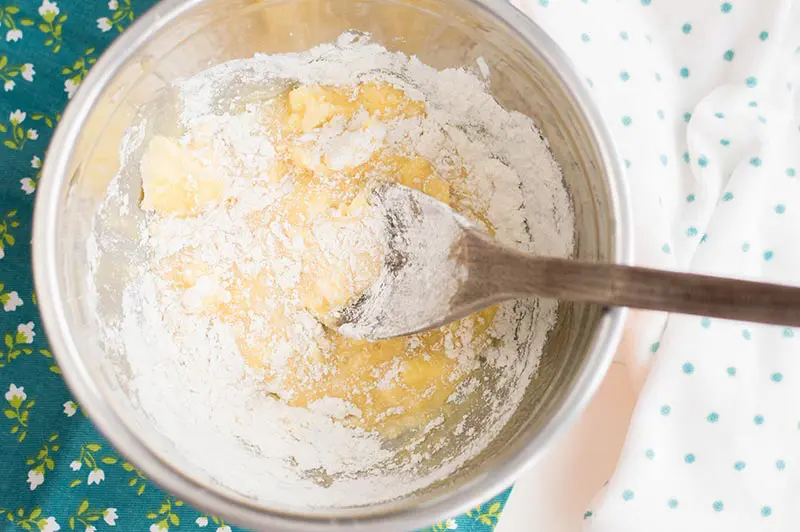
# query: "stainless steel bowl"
179,38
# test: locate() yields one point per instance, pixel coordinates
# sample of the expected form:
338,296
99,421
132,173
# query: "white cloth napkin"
702,100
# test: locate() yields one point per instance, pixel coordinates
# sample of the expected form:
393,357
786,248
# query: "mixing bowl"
179,38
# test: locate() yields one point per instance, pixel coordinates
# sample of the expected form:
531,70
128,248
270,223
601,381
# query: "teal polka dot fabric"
702,101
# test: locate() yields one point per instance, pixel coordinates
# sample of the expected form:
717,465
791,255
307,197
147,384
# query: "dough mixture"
256,225
308,243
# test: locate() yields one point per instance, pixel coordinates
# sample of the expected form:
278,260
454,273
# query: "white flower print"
13,35
2,253
75,465
36,162
48,7
90,528
26,330
12,302
202,521
27,71
15,393
32,134
451,524
35,478
104,24
96,476
113,5
110,516
17,117
28,185
70,407
70,87
224,528
155,528
50,524
9,85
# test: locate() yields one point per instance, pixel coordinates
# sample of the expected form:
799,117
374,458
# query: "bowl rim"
53,186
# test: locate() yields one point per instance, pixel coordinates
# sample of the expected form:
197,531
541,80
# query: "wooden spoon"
439,267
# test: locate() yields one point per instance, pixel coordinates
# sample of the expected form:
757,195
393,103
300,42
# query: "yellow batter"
389,385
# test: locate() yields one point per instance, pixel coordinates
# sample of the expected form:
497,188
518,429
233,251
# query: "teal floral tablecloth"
56,471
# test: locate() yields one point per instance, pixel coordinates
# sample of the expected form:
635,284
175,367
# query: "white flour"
187,374
416,286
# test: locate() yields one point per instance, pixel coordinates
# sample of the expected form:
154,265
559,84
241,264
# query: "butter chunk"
175,183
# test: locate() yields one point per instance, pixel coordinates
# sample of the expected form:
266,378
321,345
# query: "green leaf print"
11,22
166,515
77,71
10,301
49,120
32,521
89,517
15,342
42,462
121,15
10,73
51,25
53,367
18,134
487,517
6,237
87,457
137,481
18,410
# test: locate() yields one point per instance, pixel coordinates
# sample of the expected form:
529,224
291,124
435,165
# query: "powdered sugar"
188,367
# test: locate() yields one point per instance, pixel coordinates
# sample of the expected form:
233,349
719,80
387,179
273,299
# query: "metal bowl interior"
179,38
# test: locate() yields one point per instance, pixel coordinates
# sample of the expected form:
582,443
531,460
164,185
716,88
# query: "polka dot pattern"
672,504
696,99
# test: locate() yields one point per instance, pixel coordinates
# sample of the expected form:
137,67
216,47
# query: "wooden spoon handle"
516,274
627,286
